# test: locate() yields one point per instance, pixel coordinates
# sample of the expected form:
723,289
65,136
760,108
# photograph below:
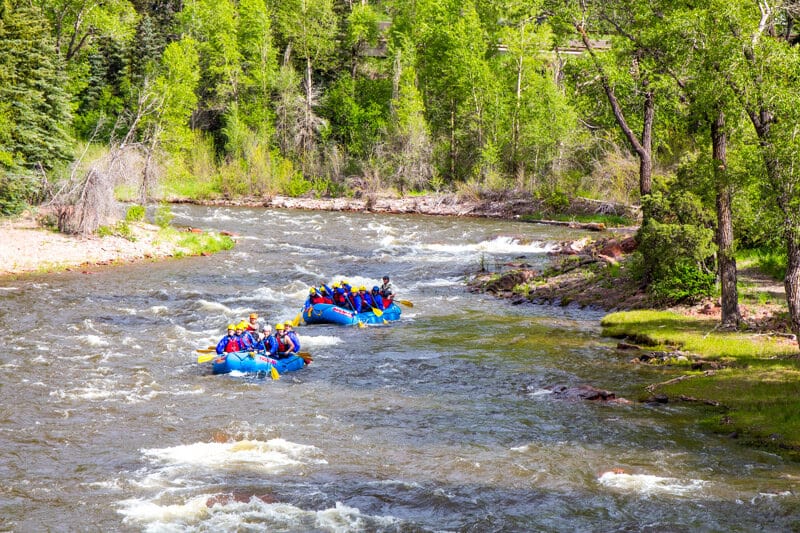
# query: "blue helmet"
375,288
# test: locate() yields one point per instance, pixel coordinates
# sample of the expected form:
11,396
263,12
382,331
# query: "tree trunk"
792,280
725,255
646,150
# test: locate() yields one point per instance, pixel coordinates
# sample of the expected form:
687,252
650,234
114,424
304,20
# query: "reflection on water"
442,421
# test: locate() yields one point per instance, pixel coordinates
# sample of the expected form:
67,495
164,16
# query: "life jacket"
377,300
339,298
283,346
233,344
292,335
318,299
247,341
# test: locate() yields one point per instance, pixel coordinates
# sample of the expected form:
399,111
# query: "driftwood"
591,226
653,386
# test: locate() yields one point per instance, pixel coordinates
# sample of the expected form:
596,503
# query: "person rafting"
245,337
289,329
268,343
326,294
375,299
254,325
387,291
285,344
354,300
230,342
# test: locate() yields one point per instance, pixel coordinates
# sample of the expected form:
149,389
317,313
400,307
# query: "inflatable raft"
254,362
333,314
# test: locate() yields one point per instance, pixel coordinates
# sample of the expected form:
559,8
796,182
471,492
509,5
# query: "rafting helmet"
241,325
253,315
362,288
278,327
312,290
375,288
231,327
353,290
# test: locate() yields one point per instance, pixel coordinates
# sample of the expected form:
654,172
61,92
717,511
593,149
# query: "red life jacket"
283,346
232,345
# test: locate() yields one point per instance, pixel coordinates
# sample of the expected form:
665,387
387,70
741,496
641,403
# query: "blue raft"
333,314
257,362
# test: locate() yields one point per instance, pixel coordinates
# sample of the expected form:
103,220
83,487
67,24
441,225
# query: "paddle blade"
296,321
205,358
406,303
361,324
206,350
274,373
377,312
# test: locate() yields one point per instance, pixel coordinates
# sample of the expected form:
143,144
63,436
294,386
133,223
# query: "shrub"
674,259
164,215
15,193
135,213
683,283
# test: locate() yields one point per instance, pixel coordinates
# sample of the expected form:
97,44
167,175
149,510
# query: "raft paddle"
296,321
378,312
406,303
205,358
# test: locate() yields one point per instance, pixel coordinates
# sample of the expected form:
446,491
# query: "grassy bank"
753,394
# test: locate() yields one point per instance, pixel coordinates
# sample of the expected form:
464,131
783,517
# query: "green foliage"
135,213
770,261
16,192
33,131
683,283
120,229
201,243
674,258
163,216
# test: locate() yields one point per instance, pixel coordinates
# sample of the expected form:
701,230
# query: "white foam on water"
206,305
319,341
159,309
499,245
216,512
95,340
647,484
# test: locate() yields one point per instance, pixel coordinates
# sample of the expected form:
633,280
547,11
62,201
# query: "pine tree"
35,111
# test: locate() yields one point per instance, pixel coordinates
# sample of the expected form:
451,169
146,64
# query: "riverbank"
28,248
744,384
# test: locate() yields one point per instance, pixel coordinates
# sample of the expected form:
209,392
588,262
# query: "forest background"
687,109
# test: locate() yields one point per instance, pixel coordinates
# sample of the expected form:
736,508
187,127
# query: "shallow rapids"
442,421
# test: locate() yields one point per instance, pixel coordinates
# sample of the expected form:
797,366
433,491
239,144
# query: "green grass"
758,389
196,243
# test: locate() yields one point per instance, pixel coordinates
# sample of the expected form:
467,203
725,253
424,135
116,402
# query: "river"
442,421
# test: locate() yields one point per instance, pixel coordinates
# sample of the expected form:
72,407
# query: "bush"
135,213
674,260
16,193
164,215
683,283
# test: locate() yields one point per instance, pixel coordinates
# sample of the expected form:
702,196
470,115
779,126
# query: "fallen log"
591,226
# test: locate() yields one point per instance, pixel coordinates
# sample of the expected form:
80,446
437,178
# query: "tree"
592,19
309,27
34,106
77,22
763,74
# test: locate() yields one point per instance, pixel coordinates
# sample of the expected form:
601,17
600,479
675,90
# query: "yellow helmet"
231,326
241,325
335,286
312,290
353,289
362,288
278,327
253,315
